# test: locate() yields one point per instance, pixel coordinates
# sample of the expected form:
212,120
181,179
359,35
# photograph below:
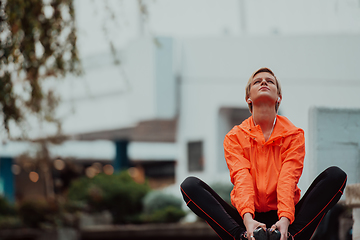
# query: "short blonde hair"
248,85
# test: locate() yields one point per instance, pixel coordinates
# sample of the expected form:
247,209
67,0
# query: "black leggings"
321,196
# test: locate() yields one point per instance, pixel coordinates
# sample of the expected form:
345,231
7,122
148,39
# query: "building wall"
336,139
194,78
112,96
315,71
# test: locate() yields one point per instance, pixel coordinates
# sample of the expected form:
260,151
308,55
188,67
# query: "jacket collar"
283,127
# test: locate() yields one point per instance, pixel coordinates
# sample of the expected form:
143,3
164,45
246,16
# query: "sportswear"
265,174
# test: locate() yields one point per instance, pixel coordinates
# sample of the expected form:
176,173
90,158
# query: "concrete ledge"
353,195
28,234
197,230
353,201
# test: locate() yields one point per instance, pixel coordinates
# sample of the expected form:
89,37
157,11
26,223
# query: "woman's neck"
265,118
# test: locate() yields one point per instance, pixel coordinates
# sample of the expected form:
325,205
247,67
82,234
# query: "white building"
199,84
314,72
173,99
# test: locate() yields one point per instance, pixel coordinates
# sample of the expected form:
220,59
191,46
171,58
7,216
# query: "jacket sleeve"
242,196
291,170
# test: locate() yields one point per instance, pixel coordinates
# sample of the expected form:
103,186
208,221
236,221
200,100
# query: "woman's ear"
249,101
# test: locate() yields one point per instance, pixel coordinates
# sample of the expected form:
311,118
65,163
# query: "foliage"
169,214
6,209
10,222
160,207
36,214
8,215
73,206
156,200
118,193
39,214
43,214
223,190
37,40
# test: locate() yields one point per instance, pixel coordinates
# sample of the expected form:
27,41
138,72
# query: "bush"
8,218
10,222
6,208
156,200
36,214
118,193
169,214
73,206
162,208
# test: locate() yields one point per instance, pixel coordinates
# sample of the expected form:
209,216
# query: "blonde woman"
265,155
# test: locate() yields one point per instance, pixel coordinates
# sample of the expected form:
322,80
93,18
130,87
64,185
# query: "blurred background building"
160,90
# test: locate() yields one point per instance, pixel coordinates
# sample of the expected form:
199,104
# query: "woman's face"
263,88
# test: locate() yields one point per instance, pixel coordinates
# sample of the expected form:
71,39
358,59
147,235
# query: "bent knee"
191,186
337,174
189,183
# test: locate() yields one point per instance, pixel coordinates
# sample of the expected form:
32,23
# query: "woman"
265,157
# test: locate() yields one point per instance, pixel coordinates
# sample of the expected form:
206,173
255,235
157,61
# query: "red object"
265,174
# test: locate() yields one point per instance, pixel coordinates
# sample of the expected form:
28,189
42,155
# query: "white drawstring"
272,129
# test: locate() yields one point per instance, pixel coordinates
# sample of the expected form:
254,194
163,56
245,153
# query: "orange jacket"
265,174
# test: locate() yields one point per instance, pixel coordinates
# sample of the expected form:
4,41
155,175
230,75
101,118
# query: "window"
195,156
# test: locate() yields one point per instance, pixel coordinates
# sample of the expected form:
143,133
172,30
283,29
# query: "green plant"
34,45
6,208
156,200
160,207
118,193
73,206
8,217
34,213
10,222
169,214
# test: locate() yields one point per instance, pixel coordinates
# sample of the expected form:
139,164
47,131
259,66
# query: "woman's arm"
291,170
242,196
